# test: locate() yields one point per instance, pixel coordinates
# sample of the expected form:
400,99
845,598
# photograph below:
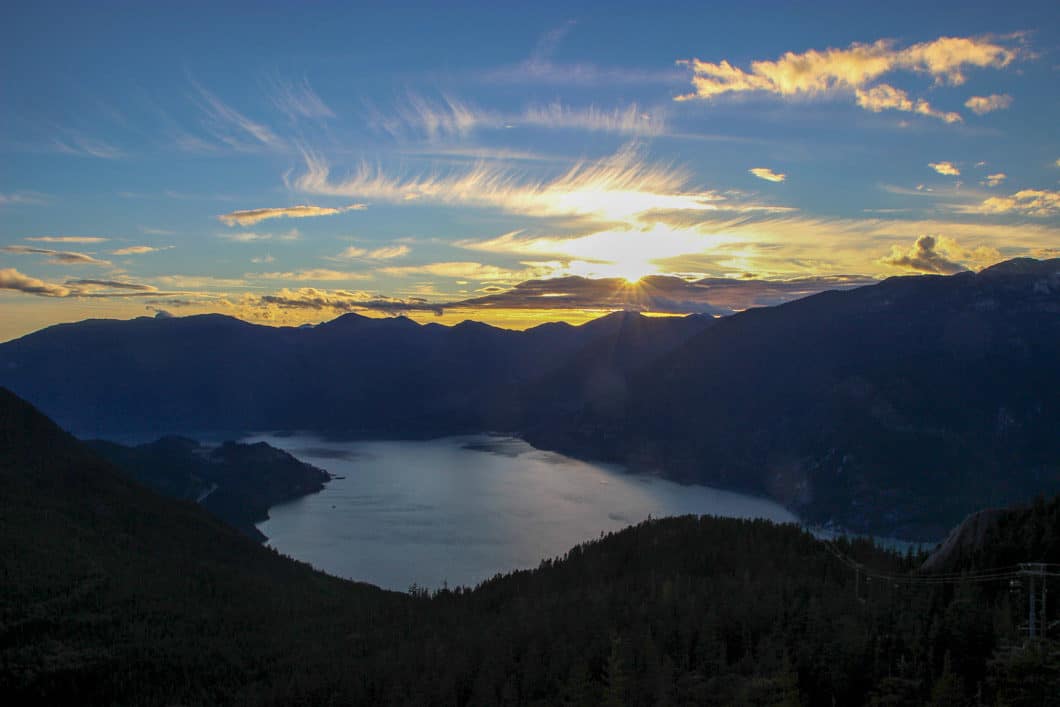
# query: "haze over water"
461,509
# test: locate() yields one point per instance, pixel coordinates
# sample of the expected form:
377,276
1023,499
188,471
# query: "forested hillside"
112,594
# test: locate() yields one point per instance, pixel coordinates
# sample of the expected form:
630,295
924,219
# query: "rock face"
964,540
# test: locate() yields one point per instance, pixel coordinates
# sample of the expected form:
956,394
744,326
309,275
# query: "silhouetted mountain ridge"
895,408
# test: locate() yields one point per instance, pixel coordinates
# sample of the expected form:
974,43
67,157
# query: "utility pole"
1031,570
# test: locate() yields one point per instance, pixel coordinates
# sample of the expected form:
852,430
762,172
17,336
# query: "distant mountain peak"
1023,266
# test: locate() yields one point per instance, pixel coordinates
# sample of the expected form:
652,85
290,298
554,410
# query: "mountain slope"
236,482
114,595
895,408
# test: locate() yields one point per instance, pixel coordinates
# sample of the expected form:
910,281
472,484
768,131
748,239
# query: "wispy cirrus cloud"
615,188
56,257
230,127
67,239
138,250
450,117
987,104
381,253
254,237
74,143
854,69
310,275
16,198
479,272
767,174
540,67
249,217
298,100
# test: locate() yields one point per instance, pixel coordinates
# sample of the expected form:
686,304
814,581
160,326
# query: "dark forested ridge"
112,594
895,408
236,482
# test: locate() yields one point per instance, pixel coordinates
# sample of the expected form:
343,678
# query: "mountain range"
895,408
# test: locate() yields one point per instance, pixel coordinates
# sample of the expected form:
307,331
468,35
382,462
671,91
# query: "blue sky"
287,163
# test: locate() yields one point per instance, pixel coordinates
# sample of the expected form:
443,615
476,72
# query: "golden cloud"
814,72
767,174
946,168
11,279
1041,203
885,97
249,217
67,239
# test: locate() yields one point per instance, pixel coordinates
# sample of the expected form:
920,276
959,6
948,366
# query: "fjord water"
461,509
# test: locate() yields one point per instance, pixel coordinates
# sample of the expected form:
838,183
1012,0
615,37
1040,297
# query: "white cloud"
992,180
985,104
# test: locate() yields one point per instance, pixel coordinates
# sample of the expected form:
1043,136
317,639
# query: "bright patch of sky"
286,163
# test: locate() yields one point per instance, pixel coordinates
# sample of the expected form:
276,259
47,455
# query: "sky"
286,163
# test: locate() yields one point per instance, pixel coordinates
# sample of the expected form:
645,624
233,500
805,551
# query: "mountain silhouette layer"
895,408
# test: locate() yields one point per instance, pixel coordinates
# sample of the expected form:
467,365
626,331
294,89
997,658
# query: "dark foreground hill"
114,595
896,408
236,482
